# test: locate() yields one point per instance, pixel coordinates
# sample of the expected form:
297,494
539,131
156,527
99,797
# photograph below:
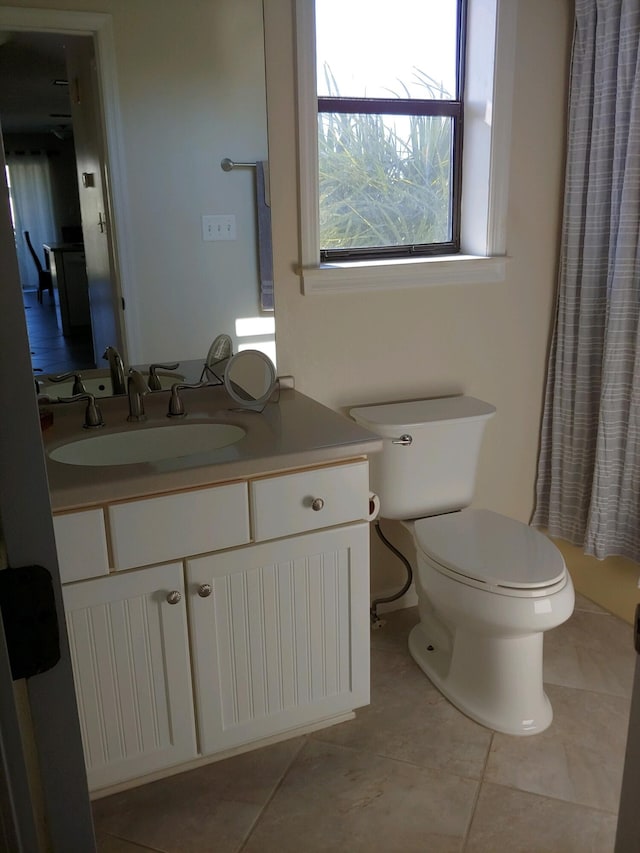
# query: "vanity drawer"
165,528
309,500
81,543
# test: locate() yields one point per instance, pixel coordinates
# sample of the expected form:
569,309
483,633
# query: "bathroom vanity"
219,600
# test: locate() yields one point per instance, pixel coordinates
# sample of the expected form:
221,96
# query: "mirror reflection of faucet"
154,381
78,384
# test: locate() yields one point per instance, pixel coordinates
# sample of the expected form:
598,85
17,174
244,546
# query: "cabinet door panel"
284,639
81,542
130,657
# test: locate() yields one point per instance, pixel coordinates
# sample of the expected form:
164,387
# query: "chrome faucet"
116,368
93,415
78,384
176,406
154,381
136,388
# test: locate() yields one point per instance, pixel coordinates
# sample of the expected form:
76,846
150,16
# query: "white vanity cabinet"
229,643
279,634
130,655
81,542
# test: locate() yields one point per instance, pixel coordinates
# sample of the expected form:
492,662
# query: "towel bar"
227,165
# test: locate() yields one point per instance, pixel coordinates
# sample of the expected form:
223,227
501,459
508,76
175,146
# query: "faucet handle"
154,382
92,416
176,406
78,384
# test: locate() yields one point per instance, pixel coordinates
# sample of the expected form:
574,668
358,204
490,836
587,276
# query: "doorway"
50,114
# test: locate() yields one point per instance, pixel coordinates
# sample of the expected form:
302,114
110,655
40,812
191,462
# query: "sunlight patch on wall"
257,333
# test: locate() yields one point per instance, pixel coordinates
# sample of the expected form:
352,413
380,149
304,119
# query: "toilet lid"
491,548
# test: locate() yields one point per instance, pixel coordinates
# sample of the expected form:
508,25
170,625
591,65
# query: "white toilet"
488,586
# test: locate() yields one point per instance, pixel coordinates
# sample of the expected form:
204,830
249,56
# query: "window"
487,96
389,127
32,209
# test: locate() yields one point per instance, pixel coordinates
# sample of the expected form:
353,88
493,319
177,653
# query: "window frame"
452,108
488,97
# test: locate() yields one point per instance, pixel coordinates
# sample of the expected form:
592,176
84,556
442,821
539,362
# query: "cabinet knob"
205,590
174,596
317,504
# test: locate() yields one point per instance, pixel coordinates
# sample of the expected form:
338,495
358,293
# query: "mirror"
99,383
187,82
250,379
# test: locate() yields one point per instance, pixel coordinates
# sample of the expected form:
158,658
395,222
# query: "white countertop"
292,433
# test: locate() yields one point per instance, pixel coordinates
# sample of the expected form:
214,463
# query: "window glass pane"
384,180
382,49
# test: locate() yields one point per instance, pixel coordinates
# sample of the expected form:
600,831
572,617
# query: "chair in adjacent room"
44,276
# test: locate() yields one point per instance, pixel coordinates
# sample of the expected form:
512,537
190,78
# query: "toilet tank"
436,472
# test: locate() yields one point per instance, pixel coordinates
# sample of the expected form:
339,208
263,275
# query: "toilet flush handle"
405,440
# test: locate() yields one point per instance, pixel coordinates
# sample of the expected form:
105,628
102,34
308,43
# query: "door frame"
49,793
18,825
628,830
99,26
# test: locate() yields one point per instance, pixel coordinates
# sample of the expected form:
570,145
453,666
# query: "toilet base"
495,681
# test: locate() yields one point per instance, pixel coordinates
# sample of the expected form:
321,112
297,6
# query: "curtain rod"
227,165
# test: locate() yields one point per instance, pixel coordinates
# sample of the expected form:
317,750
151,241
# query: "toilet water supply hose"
376,622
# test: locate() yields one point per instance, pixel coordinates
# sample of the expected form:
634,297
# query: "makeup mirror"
250,379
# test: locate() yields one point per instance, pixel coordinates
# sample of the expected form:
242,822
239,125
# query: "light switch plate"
219,227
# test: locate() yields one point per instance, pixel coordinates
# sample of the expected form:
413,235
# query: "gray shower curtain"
588,488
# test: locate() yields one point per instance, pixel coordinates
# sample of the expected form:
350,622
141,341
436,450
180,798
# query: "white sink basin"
147,445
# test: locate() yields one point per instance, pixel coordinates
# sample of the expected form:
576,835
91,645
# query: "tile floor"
50,351
411,773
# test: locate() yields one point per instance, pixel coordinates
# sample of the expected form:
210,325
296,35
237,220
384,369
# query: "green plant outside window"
390,167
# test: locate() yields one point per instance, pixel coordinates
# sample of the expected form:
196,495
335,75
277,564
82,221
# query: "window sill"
399,274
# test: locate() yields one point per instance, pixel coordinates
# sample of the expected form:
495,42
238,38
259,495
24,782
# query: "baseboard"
195,763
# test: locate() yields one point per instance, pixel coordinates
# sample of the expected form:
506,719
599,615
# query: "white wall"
489,341
192,92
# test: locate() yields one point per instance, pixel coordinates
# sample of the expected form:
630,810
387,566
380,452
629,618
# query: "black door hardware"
29,618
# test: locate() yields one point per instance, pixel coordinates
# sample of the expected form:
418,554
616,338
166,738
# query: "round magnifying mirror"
250,378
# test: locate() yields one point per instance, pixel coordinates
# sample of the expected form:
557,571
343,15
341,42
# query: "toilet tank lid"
413,413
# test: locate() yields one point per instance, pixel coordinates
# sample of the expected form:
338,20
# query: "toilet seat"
484,549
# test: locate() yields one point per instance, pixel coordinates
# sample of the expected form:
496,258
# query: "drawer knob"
205,590
317,504
174,596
